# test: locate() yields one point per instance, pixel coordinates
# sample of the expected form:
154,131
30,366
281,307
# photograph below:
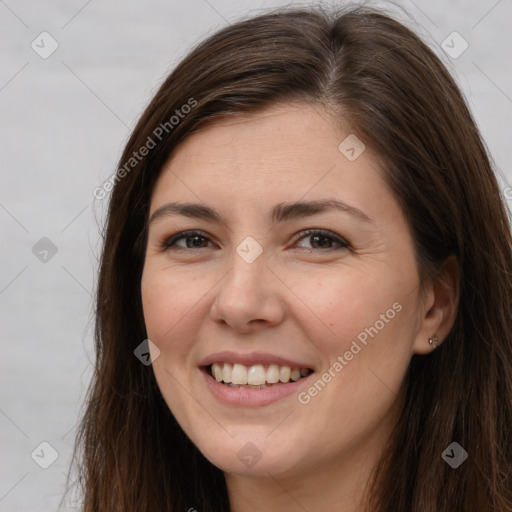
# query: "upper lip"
251,359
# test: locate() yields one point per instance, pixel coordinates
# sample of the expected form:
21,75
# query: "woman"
307,241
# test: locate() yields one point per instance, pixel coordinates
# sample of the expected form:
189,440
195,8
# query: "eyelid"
168,242
342,242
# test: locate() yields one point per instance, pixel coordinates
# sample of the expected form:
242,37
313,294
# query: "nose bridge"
250,250
248,270
248,291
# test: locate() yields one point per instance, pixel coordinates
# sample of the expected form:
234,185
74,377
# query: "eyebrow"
281,212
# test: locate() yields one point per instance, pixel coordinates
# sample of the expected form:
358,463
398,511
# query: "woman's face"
299,257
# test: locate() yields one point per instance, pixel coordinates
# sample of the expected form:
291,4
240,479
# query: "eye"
319,238
323,239
192,240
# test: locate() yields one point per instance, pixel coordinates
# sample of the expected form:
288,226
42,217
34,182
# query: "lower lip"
246,397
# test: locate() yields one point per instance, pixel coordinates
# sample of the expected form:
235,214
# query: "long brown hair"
377,76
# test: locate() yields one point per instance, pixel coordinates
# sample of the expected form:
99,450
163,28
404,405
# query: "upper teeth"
256,374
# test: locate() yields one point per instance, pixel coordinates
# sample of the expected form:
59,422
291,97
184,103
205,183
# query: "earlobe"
434,341
440,307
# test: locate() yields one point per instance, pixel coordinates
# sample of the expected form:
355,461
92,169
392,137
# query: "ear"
439,306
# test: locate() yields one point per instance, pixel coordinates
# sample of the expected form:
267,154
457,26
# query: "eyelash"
168,243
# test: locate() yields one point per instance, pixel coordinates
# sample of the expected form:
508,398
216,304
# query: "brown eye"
318,239
324,240
192,240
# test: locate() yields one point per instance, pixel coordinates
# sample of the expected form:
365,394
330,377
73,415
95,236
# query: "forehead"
281,132
284,153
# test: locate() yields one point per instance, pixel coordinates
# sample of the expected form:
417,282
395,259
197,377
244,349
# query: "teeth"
284,373
239,375
217,372
295,375
255,376
248,386
226,373
273,374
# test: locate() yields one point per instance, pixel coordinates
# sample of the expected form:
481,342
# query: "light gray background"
64,121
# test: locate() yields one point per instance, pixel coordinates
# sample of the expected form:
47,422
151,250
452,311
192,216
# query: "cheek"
166,301
366,355
170,303
345,305
364,327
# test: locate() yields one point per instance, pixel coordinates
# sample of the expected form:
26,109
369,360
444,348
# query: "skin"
301,298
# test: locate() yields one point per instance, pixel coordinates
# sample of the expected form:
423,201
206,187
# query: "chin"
257,459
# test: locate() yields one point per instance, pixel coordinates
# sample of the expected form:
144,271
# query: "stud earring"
433,341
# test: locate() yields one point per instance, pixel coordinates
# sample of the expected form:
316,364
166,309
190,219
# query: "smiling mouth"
258,376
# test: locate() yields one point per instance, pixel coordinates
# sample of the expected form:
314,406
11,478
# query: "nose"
249,297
